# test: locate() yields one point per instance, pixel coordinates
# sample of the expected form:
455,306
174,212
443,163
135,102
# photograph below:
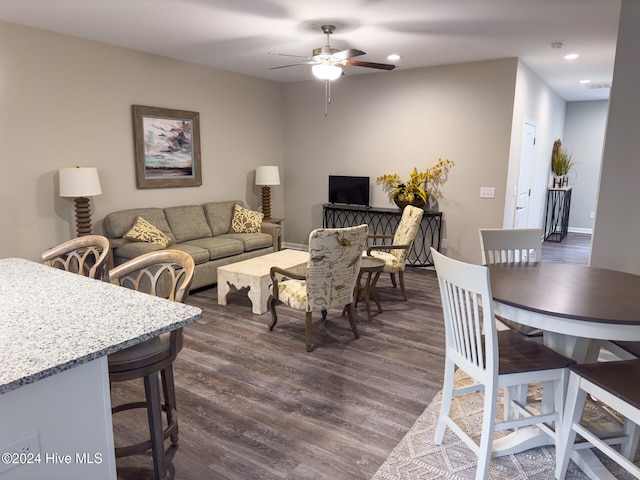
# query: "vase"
558,180
402,203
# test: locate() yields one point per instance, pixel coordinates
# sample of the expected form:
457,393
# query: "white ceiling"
237,35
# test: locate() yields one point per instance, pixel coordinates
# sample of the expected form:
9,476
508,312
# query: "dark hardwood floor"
574,248
253,404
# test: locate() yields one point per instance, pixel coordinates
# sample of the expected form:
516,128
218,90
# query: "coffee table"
254,273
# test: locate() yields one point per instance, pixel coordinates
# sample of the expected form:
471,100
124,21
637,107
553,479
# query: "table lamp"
267,176
80,183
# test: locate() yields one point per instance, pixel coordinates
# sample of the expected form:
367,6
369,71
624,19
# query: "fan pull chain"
327,96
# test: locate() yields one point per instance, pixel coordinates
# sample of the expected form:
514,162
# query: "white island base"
71,414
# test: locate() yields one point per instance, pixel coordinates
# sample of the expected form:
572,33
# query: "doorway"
523,193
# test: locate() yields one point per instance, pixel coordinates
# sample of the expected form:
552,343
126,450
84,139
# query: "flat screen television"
349,190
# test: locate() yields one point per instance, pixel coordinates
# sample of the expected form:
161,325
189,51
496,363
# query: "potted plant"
420,186
561,164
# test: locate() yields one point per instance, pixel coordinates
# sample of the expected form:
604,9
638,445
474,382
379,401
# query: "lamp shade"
79,182
326,71
267,175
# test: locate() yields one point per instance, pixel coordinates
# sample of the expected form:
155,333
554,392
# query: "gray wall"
616,232
584,138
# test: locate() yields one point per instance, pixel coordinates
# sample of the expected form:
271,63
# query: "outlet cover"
29,445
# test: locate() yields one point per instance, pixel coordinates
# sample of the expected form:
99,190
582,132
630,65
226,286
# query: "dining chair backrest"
500,245
87,256
471,335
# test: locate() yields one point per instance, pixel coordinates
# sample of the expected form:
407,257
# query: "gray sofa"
200,230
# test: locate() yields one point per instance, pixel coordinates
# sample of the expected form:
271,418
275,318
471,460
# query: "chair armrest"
274,272
387,248
379,236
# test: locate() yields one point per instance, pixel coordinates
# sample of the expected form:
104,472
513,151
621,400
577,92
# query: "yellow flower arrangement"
420,186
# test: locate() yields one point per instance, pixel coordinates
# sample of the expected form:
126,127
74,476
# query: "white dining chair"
493,360
519,245
612,383
513,245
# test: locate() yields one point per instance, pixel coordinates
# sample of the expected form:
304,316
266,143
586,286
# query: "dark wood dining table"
573,305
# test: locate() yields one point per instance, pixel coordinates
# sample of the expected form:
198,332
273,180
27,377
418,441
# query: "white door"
524,178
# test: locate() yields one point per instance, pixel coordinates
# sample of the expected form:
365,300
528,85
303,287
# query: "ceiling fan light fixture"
326,71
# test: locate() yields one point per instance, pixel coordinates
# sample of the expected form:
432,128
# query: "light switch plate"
487,192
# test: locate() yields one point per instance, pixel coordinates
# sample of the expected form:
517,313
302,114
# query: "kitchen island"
56,330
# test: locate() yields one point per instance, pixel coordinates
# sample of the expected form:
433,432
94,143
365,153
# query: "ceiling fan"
327,62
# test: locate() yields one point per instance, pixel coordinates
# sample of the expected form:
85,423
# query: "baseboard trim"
580,230
295,246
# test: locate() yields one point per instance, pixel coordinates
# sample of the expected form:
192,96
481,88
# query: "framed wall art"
167,147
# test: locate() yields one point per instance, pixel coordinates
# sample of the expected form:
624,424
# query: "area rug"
416,457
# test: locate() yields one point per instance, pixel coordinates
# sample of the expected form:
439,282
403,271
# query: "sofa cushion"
218,247
199,255
245,220
219,215
252,241
143,231
131,250
187,222
116,224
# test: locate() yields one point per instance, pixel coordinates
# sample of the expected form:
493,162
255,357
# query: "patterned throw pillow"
245,220
143,231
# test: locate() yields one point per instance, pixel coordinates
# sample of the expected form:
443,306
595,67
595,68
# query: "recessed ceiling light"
571,56
393,57
585,81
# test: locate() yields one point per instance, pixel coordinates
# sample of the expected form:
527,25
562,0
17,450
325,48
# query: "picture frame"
167,147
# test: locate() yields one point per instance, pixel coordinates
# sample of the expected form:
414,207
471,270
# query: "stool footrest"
142,447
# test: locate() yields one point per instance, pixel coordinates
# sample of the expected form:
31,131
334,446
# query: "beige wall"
393,122
616,232
66,101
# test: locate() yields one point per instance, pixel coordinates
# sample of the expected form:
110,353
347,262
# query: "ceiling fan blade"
287,55
292,65
346,54
380,66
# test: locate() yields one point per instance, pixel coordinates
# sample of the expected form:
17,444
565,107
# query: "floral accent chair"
395,255
330,278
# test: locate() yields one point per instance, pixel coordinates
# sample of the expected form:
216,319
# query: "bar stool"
165,273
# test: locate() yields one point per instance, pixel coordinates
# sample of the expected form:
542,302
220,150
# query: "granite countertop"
52,320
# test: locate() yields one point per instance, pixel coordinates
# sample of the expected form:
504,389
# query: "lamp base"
266,201
83,216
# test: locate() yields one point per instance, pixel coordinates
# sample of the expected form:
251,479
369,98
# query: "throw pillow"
143,231
245,220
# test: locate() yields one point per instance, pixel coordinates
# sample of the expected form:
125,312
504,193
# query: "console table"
384,221
556,221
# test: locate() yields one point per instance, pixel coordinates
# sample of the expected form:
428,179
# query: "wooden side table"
371,267
277,221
